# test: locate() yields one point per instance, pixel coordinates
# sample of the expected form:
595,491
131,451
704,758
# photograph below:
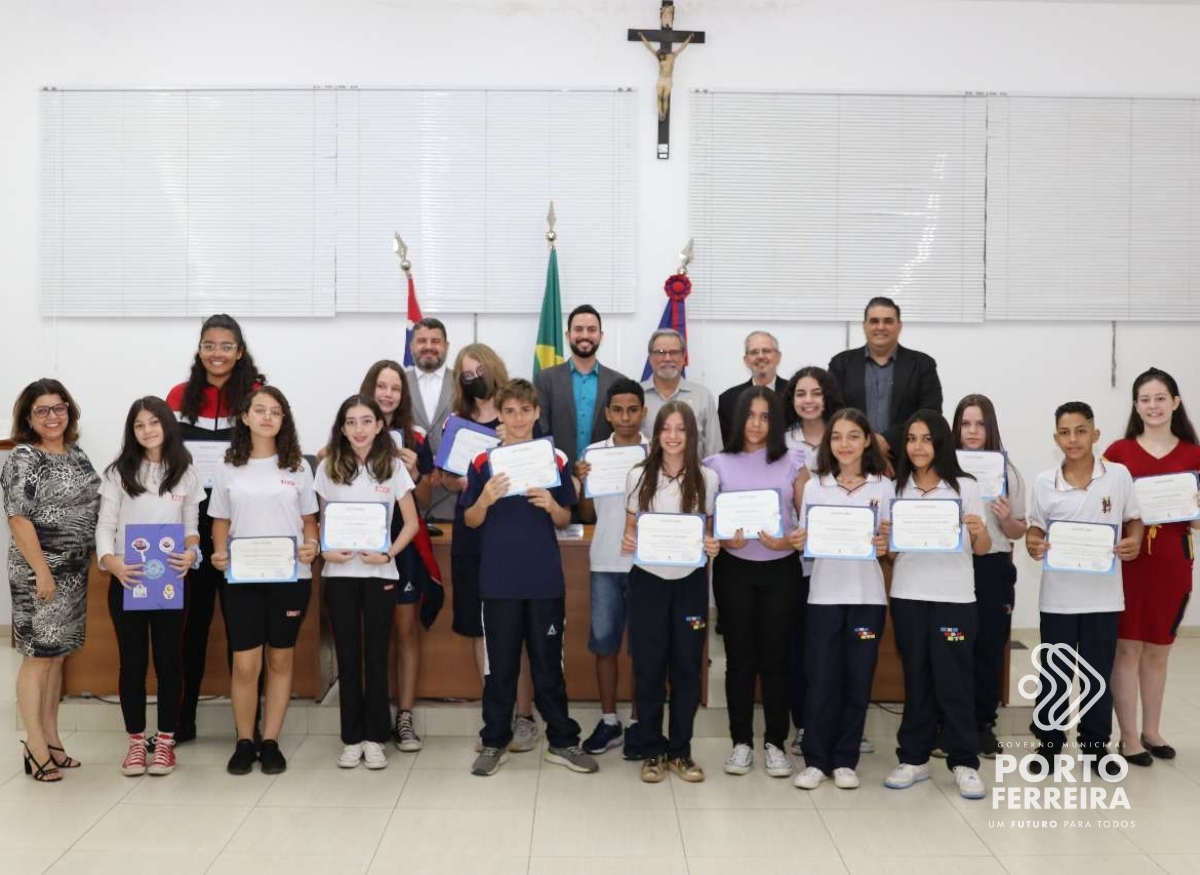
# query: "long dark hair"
241,381
873,461
691,481
1181,426
341,461
945,460
776,446
287,443
175,455
829,388
990,422
22,431
402,418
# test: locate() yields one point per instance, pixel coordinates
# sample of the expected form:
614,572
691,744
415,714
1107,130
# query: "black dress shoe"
1159,751
1137,759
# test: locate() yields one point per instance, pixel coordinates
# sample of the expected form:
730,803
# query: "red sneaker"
135,757
164,754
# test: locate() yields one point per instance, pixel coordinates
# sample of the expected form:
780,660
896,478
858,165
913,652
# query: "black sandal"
41,772
69,761
1159,751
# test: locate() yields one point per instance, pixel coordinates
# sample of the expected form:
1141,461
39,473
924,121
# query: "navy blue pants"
995,594
1094,637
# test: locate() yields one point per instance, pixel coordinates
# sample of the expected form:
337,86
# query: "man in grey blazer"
432,386
571,395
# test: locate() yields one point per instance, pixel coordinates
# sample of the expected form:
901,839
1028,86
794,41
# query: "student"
847,605
523,591
755,581
1159,439
624,410
668,605
387,382
361,465
222,377
1080,610
151,481
264,488
933,607
977,428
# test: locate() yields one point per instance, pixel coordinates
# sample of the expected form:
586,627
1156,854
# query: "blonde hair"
495,375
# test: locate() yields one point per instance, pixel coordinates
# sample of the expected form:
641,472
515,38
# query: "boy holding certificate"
624,408
523,591
1078,608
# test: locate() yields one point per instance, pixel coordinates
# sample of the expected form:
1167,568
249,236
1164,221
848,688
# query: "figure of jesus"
666,72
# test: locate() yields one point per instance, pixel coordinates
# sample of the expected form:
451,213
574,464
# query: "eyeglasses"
764,350
209,346
667,353
264,413
57,409
472,376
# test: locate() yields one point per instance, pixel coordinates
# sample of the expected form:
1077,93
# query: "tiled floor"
427,814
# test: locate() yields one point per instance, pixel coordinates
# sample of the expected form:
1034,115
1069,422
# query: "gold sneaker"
654,769
686,768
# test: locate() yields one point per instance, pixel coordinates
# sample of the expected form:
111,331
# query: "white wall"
1064,48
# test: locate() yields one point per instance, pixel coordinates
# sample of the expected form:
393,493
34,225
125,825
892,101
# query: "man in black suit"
571,395
883,379
762,358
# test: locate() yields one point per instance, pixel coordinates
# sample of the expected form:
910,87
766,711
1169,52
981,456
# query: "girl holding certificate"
976,428
222,377
668,603
263,492
933,603
152,481
361,468
1159,440
847,603
755,578
387,383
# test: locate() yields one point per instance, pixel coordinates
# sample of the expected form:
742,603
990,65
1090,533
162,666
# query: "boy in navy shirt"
522,587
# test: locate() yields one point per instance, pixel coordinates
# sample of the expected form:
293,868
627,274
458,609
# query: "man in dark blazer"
432,387
883,379
762,357
571,395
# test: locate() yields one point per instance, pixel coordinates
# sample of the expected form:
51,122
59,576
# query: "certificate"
461,443
610,467
529,465
160,588
206,456
839,532
1083,547
751,510
355,525
262,560
1167,498
926,525
990,470
670,539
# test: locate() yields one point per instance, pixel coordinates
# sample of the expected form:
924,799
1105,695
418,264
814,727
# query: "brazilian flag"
548,351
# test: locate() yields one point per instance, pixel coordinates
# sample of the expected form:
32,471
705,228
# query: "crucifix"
666,36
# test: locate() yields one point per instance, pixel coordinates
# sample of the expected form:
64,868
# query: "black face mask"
476,389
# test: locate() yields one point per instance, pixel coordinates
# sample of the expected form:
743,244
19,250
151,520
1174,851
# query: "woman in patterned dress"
52,498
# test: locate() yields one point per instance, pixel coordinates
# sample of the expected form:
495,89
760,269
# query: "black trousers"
756,601
360,611
842,646
995,595
538,625
797,656
935,640
668,622
136,631
204,585
1094,637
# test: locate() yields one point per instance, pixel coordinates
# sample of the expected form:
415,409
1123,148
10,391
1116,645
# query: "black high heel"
40,772
70,761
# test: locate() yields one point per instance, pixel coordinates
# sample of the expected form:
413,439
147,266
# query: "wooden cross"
666,37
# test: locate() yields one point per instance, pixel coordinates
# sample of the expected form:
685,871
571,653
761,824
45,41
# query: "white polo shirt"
262,500
1002,543
669,499
848,581
605,552
364,488
1108,498
794,438
940,577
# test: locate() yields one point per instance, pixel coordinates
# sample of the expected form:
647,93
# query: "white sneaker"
905,775
352,755
777,762
739,760
798,743
845,778
866,746
970,786
810,778
374,756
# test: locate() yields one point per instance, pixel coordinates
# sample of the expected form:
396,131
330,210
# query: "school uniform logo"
696,621
952,633
865,633
408,587
1106,504
283,482
386,490
873,504
551,631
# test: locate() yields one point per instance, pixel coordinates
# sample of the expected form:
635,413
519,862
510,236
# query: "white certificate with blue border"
926,525
990,470
1167,498
529,465
610,468
1086,548
839,532
355,525
263,560
670,539
751,510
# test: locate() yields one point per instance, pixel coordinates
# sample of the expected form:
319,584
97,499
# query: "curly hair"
287,443
242,381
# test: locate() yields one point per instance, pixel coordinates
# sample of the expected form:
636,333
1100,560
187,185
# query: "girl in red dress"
1159,439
